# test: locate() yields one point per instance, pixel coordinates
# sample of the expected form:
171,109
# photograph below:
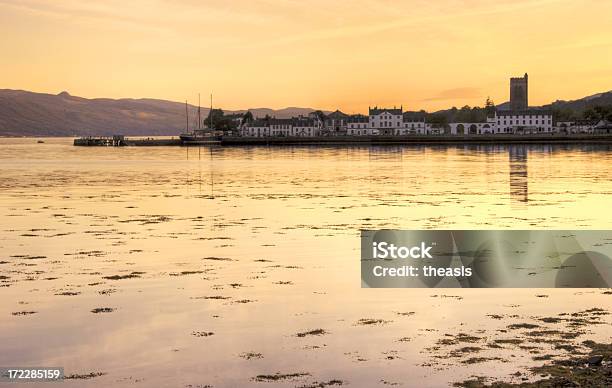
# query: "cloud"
456,93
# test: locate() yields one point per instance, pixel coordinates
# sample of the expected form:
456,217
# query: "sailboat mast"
211,113
186,118
199,119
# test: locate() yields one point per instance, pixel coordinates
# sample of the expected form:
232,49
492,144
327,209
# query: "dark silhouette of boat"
199,135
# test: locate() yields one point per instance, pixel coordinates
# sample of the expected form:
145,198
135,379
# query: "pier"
101,141
122,141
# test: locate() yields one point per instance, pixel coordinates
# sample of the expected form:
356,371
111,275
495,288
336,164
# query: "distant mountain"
584,103
562,110
279,113
24,113
577,106
503,106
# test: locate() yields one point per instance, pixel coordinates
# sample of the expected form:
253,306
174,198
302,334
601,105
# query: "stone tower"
518,93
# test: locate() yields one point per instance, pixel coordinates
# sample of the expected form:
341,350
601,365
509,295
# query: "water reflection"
519,191
258,244
203,154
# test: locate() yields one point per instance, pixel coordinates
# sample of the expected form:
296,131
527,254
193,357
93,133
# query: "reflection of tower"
518,93
518,173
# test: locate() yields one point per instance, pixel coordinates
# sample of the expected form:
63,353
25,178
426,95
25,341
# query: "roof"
302,122
603,124
376,111
358,119
275,121
578,122
585,122
528,112
523,78
414,116
257,123
337,115
294,121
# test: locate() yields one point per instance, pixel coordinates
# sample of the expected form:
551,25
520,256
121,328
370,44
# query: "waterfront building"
256,128
520,119
471,128
519,93
358,125
564,126
303,126
603,127
413,123
526,121
280,127
386,120
296,126
336,123
576,126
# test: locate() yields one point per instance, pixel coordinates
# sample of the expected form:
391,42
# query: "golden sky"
318,53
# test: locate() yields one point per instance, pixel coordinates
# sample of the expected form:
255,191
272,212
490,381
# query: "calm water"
207,263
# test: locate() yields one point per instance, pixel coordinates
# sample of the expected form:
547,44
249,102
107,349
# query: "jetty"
122,141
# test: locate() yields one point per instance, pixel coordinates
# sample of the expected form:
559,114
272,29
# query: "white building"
302,126
386,120
471,128
413,124
256,128
358,125
280,127
529,121
603,126
299,126
577,126
336,123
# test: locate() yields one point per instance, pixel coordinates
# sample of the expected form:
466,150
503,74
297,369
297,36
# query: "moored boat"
199,135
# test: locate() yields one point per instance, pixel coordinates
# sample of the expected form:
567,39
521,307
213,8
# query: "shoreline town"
517,124
520,119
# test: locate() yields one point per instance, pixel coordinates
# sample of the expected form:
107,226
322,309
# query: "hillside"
24,113
562,110
580,105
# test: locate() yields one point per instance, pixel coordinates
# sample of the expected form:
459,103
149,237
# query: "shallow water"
208,262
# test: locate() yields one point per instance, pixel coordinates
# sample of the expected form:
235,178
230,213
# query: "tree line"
595,113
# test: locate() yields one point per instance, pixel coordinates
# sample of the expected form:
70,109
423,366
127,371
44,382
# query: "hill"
562,110
577,108
24,113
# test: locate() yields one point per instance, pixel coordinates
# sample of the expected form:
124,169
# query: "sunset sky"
320,54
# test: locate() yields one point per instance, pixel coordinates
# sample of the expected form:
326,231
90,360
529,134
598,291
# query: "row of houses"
395,122
297,126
